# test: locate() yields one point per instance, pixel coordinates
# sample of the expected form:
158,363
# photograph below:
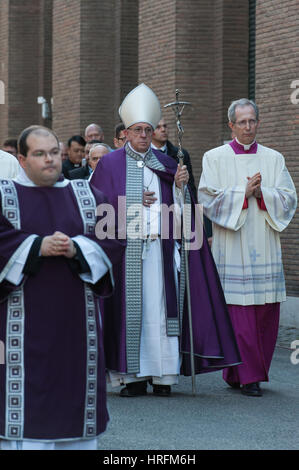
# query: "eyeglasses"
42,153
140,130
95,159
243,124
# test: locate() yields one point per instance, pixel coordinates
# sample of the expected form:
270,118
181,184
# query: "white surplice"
246,243
9,165
80,444
159,353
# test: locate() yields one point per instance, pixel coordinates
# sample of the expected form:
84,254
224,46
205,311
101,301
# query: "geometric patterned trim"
134,192
90,412
15,366
86,203
172,323
173,327
10,203
150,160
14,422
87,206
154,163
183,274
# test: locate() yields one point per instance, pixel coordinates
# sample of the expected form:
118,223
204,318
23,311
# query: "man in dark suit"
160,142
84,172
76,146
95,153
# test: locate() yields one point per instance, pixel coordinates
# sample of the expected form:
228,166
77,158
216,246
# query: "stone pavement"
217,418
286,335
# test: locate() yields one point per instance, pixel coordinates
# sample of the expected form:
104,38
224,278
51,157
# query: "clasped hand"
58,244
253,187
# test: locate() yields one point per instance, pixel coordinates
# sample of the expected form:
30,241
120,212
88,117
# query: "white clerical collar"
162,149
23,179
246,146
141,154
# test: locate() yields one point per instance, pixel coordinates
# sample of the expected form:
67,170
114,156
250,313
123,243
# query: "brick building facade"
84,57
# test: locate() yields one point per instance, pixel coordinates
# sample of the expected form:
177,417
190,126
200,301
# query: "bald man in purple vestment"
52,271
249,195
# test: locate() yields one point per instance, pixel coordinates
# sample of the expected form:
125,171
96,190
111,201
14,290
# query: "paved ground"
217,418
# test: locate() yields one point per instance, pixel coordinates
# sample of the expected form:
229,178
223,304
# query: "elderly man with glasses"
146,322
249,195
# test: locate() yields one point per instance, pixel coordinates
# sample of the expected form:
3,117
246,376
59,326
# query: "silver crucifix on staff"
178,107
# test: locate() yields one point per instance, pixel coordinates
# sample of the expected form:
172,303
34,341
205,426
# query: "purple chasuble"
214,341
53,383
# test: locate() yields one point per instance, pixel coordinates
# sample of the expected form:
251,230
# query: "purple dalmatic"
53,381
214,341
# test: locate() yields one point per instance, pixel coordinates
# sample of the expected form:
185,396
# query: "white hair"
93,125
99,145
241,102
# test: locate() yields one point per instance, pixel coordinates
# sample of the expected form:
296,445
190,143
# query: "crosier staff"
178,107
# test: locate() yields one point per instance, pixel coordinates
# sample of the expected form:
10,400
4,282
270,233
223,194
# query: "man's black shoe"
252,390
161,390
234,385
134,389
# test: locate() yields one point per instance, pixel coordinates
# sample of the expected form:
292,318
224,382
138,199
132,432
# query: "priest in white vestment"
249,195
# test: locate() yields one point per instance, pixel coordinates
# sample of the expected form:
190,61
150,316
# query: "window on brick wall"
251,51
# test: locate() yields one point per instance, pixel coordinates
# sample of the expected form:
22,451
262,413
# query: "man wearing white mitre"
146,329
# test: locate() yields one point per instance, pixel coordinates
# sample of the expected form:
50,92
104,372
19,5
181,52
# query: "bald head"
94,132
37,130
96,152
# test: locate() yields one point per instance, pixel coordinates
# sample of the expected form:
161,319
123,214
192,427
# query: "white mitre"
140,105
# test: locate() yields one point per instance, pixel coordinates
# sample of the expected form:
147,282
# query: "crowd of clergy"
80,310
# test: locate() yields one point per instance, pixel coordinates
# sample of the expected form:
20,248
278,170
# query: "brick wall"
24,53
235,55
126,50
4,54
157,44
45,57
97,65
176,51
21,37
66,68
25,56
277,50
199,73
200,48
95,55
